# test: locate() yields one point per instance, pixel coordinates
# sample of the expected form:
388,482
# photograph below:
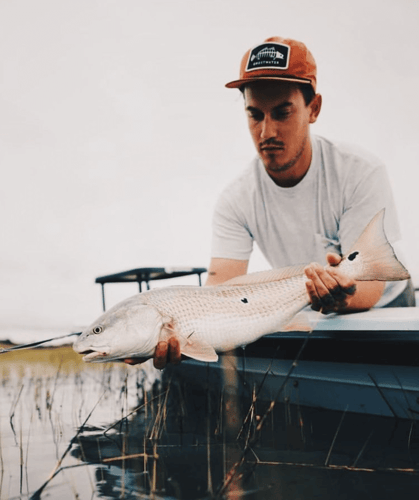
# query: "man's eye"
256,116
281,115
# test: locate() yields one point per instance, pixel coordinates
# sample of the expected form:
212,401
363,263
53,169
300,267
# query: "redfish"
212,319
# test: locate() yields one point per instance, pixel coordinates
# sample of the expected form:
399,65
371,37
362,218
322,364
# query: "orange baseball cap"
277,59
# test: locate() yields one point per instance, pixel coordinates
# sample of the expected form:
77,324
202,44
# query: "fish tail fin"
377,260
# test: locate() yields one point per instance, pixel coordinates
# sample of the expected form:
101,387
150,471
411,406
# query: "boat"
366,363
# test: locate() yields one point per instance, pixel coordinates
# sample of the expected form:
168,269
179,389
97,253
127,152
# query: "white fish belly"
230,316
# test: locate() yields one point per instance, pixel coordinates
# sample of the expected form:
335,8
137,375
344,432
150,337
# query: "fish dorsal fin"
266,276
190,346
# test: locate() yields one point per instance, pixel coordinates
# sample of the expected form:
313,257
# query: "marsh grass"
72,430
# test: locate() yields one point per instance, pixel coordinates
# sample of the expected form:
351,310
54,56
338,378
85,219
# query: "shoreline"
42,361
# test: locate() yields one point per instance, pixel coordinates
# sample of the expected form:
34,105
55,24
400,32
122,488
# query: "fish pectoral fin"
197,349
168,330
189,346
298,323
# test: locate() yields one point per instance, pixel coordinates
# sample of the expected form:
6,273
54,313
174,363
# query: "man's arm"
221,270
329,290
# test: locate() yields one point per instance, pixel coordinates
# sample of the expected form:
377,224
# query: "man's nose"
268,128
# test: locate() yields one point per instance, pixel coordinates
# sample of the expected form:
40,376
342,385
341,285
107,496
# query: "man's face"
279,122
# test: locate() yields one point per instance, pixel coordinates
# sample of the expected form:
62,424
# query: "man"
303,197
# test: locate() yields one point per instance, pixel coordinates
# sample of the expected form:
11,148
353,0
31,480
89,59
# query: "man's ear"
315,107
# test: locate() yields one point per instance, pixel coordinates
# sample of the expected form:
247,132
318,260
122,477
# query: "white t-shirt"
325,212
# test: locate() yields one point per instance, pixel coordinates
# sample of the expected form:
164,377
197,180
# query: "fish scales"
236,313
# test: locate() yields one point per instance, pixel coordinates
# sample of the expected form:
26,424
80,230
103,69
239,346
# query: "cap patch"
269,55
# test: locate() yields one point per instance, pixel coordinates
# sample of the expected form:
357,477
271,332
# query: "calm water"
70,430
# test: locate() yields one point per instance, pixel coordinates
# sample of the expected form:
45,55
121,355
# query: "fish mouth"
92,355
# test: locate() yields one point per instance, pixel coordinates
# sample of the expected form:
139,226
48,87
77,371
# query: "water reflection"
179,445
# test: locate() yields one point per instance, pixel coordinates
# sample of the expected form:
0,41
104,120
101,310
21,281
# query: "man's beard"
291,163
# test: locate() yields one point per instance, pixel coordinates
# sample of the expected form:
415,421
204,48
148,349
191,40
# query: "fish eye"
97,329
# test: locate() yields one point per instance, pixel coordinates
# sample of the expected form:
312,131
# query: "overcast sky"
117,134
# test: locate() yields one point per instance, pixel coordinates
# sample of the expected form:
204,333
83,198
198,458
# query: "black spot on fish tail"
245,301
353,255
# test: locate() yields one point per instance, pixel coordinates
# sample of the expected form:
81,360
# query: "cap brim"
236,84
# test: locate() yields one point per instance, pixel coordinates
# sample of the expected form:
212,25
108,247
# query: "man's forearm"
221,270
367,294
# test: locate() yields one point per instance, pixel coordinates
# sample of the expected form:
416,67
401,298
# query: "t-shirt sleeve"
231,238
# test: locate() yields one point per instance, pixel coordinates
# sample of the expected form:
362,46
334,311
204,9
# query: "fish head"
129,329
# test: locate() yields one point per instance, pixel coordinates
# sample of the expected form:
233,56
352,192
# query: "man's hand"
166,352
329,290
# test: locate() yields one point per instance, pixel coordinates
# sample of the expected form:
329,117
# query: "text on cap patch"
268,55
